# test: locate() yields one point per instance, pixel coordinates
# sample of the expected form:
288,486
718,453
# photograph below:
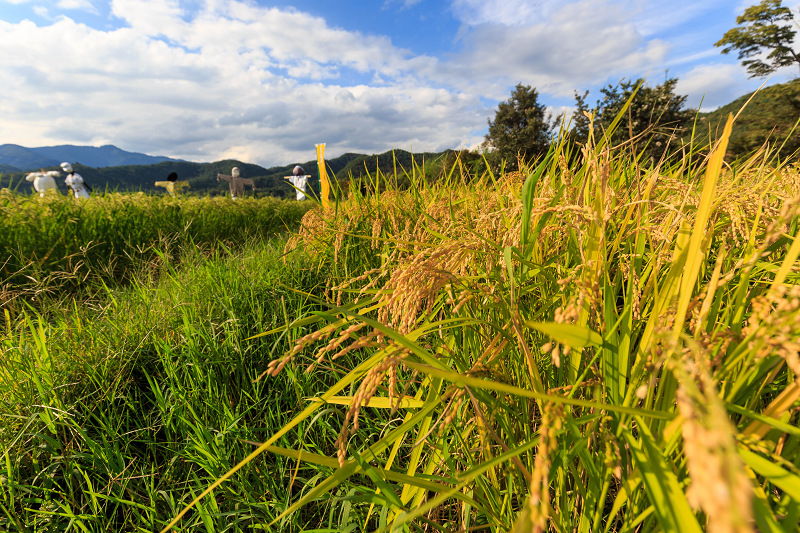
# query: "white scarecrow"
44,181
299,179
75,181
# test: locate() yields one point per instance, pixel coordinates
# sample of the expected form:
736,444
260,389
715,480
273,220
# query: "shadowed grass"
115,413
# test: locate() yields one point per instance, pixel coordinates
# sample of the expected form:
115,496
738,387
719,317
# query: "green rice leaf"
572,335
662,486
777,475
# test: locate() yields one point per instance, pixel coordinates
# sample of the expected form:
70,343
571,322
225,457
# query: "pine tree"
521,127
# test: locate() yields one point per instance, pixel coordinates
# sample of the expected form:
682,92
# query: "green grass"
115,413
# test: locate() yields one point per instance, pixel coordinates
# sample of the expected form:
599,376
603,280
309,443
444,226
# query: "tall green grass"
115,413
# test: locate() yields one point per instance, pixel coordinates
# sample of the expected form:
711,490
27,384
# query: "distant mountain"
90,156
8,168
24,158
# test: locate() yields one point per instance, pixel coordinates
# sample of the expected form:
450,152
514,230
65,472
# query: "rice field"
54,244
589,344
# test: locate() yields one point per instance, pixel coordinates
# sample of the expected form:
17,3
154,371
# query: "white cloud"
718,84
560,47
207,84
583,43
691,58
404,3
714,84
507,12
656,16
82,5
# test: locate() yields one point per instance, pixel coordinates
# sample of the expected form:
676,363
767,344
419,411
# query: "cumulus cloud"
717,84
217,81
714,85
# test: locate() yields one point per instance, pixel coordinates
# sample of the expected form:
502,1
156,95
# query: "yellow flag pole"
325,185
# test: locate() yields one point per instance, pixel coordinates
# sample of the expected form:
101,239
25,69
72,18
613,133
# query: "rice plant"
589,344
592,346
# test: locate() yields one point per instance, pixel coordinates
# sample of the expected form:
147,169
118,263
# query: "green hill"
771,116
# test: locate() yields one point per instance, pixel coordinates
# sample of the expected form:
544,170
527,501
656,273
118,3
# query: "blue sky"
265,81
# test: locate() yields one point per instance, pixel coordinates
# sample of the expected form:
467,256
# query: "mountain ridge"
23,158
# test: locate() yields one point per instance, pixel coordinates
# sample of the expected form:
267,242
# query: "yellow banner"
324,184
